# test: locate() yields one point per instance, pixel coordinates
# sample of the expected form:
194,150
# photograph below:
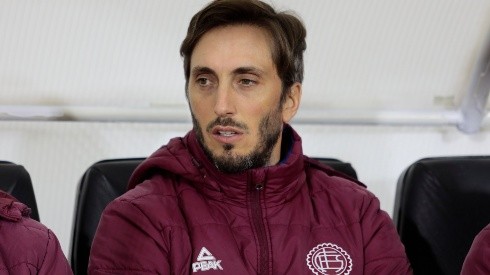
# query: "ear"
291,104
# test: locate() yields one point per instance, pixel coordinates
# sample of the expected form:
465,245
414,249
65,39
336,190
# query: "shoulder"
322,178
25,229
27,246
484,235
481,243
476,261
158,187
24,241
345,199
155,199
15,220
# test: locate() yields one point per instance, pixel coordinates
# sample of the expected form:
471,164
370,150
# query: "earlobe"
291,104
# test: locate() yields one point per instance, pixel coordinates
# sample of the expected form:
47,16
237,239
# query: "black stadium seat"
15,180
103,182
339,166
440,205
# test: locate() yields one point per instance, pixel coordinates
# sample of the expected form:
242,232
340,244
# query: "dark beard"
269,130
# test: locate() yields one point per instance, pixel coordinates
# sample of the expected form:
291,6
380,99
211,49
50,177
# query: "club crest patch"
329,259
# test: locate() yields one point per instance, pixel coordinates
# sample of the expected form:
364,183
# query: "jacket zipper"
258,223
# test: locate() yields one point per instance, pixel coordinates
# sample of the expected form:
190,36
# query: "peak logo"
206,261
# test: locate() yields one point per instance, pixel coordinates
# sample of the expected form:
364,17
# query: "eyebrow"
247,70
201,70
240,70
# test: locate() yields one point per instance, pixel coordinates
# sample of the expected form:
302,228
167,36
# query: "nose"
224,105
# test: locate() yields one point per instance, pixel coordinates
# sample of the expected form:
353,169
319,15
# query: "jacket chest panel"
219,249
223,238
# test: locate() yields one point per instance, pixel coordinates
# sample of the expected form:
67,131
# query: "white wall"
56,154
412,55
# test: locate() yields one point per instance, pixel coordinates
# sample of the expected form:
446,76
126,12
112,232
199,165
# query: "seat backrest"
103,182
15,180
339,166
440,205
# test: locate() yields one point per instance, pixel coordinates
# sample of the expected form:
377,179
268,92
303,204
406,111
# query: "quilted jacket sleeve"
26,245
127,242
384,252
55,261
478,259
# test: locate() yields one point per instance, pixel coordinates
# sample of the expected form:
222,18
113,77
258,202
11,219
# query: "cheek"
196,111
199,108
255,122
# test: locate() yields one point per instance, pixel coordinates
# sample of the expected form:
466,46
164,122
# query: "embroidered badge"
206,261
329,259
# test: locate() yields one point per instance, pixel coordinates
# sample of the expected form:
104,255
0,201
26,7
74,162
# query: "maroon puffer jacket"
26,246
477,261
298,217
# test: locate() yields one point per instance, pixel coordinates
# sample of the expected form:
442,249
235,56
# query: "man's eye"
247,82
202,81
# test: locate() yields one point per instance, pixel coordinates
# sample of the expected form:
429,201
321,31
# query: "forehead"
234,45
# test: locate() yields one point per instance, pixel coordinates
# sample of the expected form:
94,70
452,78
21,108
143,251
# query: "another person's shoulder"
484,235
27,244
17,227
478,259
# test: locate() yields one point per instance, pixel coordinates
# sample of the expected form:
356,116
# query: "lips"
225,131
226,134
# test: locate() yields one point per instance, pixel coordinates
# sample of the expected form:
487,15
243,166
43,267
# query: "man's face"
234,95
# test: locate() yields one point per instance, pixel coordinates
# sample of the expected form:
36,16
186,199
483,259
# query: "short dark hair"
285,29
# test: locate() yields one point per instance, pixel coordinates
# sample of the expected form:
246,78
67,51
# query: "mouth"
226,134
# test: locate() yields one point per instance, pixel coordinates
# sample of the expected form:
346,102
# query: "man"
477,261
26,246
236,195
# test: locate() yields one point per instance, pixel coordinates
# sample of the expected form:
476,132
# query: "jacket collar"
280,182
